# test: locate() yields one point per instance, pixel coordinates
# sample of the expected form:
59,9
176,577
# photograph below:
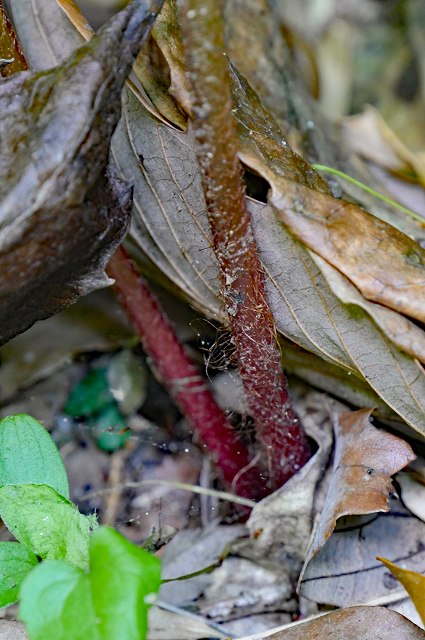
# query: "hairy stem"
278,428
182,379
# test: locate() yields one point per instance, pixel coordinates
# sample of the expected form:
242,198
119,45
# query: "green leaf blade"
56,603
122,575
61,602
16,561
47,523
28,455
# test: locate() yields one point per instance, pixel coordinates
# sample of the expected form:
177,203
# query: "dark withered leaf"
60,217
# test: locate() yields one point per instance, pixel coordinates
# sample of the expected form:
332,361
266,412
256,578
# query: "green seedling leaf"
28,455
110,428
89,396
61,602
47,523
16,561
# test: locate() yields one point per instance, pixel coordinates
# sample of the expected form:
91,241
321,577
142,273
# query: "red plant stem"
278,428
182,379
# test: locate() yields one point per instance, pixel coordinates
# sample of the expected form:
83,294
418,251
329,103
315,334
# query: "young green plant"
71,577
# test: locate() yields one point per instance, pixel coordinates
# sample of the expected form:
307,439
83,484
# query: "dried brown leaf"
399,329
365,459
387,266
356,623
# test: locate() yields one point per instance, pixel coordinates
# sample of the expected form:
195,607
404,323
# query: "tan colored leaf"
167,34
412,492
78,20
370,135
365,459
401,331
412,581
387,266
356,623
256,47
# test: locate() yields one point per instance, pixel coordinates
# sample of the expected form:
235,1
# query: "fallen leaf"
370,135
280,525
190,551
345,571
399,329
241,587
166,625
61,219
95,323
355,623
365,459
255,45
387,266
412,581
412,493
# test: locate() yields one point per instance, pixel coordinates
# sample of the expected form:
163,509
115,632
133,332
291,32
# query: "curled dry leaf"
355,623
60,219
401,331
365,459
373,138
387,266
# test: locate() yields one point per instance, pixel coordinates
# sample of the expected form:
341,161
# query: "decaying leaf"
373,138
387,266
281,524
345,571
401,331
356,623
188,552
412,581
60,219
166,625
365,459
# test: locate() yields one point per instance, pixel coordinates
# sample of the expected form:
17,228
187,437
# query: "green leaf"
60,602
110,428
47,523
16,561
28,455
89,396
55,603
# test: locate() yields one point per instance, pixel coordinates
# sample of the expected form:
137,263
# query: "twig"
278,428
221,495
181,377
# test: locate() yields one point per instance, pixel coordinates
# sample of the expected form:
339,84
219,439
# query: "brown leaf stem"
278,428
182,379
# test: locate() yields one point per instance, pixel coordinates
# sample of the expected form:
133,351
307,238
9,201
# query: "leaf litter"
326,332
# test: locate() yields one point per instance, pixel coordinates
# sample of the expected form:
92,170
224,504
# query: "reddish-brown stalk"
278,428
183,381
